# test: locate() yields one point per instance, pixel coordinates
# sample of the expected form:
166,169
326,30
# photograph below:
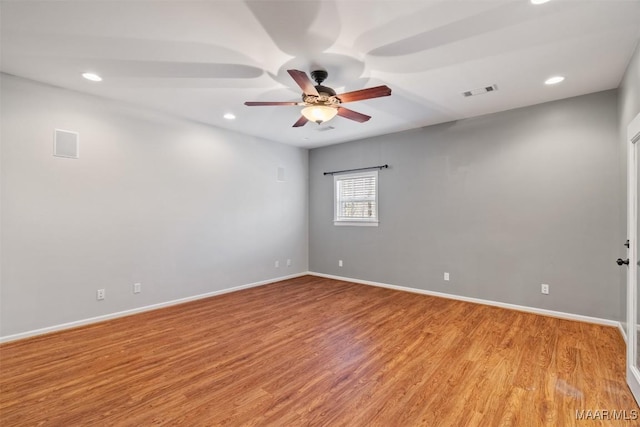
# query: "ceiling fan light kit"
319,113
321,103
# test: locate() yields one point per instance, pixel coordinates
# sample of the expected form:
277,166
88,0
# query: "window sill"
356,223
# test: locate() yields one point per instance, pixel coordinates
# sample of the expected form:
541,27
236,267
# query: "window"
356,199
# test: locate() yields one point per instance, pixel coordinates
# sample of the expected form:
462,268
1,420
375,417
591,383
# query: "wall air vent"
66,144
480,91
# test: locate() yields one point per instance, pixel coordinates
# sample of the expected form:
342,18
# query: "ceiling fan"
321,102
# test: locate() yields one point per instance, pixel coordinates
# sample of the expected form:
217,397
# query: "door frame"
632,142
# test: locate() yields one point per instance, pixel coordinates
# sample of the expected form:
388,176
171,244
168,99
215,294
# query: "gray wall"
183,208
628,108
502,202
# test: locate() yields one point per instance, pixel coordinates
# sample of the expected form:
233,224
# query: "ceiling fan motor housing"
327,96
325,90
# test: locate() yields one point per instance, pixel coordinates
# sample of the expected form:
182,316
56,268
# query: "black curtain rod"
359,169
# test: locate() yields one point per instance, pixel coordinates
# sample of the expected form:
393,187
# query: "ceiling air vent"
480,91
324,128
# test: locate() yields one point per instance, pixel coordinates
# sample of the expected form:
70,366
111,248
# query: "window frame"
371,222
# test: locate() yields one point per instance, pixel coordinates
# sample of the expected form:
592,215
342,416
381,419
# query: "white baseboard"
622,332
544,312
541,311
110,316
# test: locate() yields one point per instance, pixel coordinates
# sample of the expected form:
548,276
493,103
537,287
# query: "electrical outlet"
446,276
339,263
137,288
544,288
276,264
288,263
100,294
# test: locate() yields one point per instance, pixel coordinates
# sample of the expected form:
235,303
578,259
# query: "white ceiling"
202,59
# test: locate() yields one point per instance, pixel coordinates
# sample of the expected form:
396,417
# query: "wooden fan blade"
301,122
359,95
353,115
304,82
253,104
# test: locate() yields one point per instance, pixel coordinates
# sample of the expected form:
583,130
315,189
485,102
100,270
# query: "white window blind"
356,199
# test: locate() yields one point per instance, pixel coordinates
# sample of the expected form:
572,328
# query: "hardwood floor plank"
314,351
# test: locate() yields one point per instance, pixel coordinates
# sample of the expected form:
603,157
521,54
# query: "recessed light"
92,76
538,1
553,80
229,116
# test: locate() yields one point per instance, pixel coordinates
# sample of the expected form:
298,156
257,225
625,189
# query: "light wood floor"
312,351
